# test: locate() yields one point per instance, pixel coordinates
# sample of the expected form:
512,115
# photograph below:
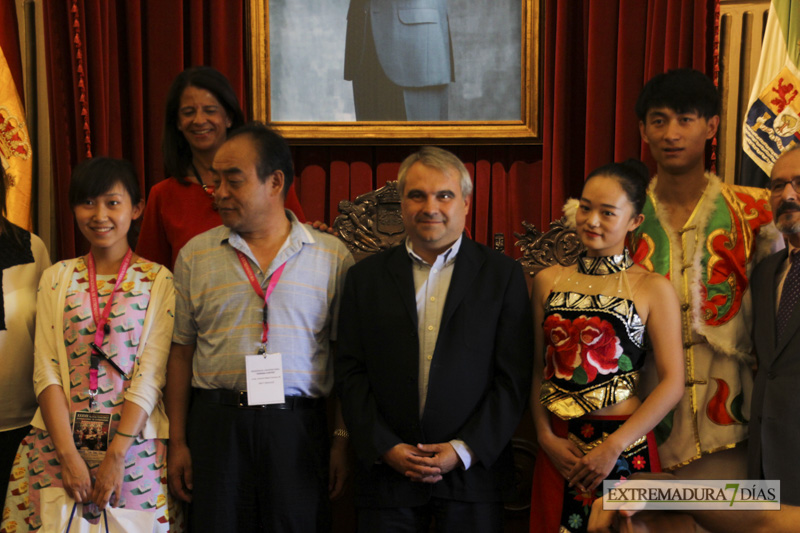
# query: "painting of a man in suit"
395,60
399,56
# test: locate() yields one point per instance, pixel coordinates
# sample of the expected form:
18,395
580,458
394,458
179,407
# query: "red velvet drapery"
9,43
597,57
109,65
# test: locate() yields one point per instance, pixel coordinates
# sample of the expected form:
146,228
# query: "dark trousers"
376,97
9,444
258,470
447,516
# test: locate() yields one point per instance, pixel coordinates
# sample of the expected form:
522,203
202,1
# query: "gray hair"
441,160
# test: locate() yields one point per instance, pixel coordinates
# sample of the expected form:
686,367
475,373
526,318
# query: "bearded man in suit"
774,433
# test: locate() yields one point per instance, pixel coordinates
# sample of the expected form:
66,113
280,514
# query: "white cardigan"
51,366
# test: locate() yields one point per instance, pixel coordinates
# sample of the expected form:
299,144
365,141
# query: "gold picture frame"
526,129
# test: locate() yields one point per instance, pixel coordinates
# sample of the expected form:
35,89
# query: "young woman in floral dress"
103,331
592,321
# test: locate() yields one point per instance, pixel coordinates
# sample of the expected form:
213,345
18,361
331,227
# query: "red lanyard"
257,287
101,321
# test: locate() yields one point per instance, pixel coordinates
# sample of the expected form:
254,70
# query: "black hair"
98,175
273,152
681,90
633,177
174,147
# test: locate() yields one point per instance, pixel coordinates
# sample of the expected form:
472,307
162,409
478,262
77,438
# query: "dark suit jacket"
774,423
412,40
479,380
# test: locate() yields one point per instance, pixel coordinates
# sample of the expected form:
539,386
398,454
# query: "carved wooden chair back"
558,245
372,222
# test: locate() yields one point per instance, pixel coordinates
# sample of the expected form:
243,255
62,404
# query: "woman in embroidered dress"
202,109
103,331
590,320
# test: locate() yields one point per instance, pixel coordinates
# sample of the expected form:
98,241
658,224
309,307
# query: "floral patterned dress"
595,347
37,467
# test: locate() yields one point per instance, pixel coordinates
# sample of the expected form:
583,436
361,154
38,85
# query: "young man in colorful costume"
705,236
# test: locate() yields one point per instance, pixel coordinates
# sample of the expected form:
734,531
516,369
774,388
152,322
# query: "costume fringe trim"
733,338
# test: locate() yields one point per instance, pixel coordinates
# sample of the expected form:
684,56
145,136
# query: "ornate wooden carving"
558,245
371,223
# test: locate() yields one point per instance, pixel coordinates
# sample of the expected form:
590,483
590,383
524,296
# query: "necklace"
603,265
209,189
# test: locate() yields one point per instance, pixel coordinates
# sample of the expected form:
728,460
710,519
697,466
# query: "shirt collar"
448,255
792,250
298,236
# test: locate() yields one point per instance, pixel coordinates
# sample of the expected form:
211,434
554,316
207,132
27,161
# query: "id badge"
264,379
90,433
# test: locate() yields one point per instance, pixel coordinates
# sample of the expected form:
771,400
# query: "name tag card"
264,379
90,433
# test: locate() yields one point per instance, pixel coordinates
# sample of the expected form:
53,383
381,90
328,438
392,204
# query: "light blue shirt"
218,310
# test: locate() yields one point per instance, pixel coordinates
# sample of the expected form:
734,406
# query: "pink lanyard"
101,320
260,292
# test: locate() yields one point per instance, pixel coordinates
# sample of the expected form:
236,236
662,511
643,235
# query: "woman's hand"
108,483
562,453
594,467
75,477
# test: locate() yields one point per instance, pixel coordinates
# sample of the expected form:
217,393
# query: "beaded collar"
603,265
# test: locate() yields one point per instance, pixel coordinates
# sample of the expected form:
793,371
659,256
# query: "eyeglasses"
777,186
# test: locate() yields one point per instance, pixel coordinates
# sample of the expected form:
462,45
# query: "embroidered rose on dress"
581,349
563,348
601,346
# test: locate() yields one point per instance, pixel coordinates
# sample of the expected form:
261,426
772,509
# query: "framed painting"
454,71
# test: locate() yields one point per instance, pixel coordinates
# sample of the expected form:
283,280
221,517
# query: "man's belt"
238,398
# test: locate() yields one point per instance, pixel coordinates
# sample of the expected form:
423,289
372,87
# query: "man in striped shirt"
260,286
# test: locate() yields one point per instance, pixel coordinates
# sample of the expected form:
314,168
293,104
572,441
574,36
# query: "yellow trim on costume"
586,447
567,404
686,317
703,454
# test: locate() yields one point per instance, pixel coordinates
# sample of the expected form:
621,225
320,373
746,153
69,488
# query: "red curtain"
110,63
597,57
507,182
109,67
9,43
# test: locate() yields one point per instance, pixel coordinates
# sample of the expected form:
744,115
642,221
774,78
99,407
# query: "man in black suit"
434,363
774,430
398,53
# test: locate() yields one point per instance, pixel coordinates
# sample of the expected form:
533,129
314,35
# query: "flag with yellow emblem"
772,123
15,149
